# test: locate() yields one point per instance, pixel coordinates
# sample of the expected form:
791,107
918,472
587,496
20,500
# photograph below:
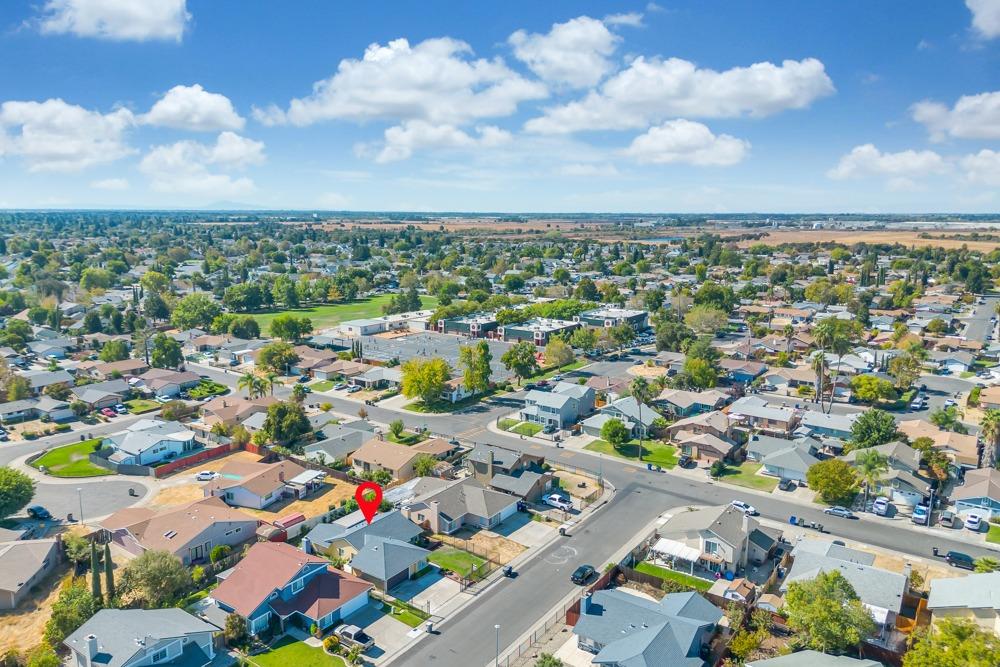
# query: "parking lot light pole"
497,662
79,495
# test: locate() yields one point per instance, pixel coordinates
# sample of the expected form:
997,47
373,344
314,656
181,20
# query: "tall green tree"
475,361
989,428
16,491
953,643
872,428
425,378
95,574
872,466
520,360
833,479
166,352
826,614
277,357
109,573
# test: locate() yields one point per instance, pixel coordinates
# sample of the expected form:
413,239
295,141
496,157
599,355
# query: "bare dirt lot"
484,543
849,237
570,482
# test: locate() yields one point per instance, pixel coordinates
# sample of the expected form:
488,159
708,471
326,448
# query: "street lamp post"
79,495
497,662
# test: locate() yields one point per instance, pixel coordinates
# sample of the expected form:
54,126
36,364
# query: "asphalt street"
979,325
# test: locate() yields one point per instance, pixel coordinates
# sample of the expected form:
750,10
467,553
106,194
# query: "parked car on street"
555,500
38,512
745,507
947,519
839,511
958,559
582,574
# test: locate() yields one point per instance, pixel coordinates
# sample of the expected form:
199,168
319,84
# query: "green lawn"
138,406
673,575
404,612
746,475
456,560
527,428
405,438
72,460
208,388
288,651
330,314
506,424
657,453
547,373
442,407
994,534
322,385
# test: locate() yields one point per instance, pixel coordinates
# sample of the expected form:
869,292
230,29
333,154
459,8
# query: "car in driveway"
206,476
352,635
839,511
39,512
684,461
881,506
339,386
108,412
744,507
787,484
557,501
582,574
121,409
353,389
960,560
921,515
974,522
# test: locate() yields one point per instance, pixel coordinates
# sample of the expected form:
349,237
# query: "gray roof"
725,521
828,548
812,658
502,456
18,406
874,586
339,441
44,378
976,591
548,399
630,407
390,525
120,631
20,560
570,389
894,451
469,496
791,458
384,558
146,433
520,483
833,422
636,632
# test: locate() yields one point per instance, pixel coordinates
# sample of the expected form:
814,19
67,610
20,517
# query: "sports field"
328,315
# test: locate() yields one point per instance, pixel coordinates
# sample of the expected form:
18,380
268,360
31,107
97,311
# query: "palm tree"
269,381
836,336
253,383
641,392
872,465
989,428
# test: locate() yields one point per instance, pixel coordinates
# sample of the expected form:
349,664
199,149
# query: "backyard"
71,460
456,560
673,575
653,452
745,475
328,315
290,651
405,438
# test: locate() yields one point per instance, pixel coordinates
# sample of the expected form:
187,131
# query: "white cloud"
982,168
867,160
123,20
972,117
402,140
687,142
184,166
985,17
194,108
587,169
110,184
56,136
575,53
630,19
651,89
653,7
435,80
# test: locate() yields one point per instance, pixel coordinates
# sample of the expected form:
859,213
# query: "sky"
701,106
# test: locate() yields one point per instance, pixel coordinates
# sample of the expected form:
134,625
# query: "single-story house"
980,493
397,459
975,598
788,459
150,441
23,564
681,403
100,395
257,485
165,382
464,503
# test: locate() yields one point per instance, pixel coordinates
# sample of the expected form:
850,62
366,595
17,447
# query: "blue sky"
515,106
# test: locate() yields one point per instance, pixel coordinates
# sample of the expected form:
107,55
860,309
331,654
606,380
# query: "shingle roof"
389,525
20,560
120,631
384,558
266,567
976,591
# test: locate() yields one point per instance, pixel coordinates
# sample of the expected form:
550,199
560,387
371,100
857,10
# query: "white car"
974,522
746,508
206,476
881,506
557,501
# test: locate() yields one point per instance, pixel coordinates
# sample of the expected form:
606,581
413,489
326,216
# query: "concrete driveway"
389,634
525,531
430,592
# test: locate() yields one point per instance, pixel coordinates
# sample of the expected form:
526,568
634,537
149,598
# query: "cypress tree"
109,572
95,573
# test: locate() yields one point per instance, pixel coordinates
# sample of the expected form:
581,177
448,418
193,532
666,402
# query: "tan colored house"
975,598
989,398
962,449
396,459
256,485
713,423
233,410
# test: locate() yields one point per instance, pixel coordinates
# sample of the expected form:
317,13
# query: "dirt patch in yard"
646,371
178,495
22,628
927,570
570,483
330,495
484,543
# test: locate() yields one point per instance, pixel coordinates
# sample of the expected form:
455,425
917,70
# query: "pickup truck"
354,636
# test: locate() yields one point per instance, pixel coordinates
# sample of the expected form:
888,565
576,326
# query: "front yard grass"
207,388
547,373
745,475
138,406
526,428
329,314
456,560
72,460
404,612
994,535
696,583
506,424
289,651
653,452
440,407
322,385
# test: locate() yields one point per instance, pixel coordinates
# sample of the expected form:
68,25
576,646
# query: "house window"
297,585
711,547
160,655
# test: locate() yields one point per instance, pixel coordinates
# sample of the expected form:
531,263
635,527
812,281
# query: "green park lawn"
654,452
289,651
547,373
673,575
994,534
745,475
330,314
138,406
526,428
71,460
456,560
322,385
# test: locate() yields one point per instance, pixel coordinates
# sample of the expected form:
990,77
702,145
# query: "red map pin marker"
369,497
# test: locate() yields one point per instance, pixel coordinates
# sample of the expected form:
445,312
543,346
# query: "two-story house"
510,470
277,583
140,637
562,406
717,539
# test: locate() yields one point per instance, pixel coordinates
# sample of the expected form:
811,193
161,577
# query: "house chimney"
307,546
90,648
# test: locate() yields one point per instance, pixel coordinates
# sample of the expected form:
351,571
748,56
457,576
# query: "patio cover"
676,549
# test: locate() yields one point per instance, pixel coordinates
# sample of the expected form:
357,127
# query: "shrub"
219,552
331,644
